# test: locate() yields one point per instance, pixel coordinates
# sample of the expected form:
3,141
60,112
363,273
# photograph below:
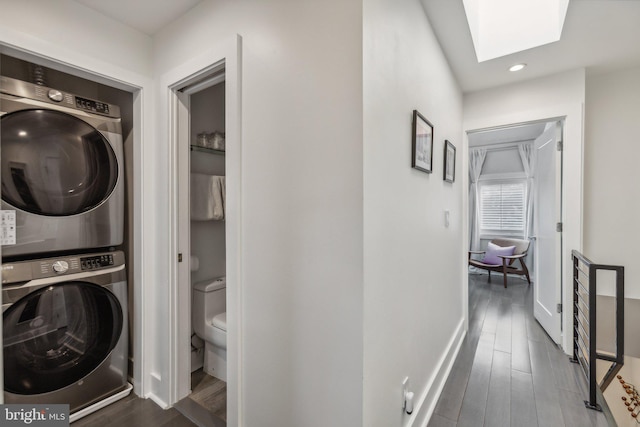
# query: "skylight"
503,27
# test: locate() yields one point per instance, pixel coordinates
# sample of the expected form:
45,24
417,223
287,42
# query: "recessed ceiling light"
517,67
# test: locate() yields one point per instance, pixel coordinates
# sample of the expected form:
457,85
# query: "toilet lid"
220,321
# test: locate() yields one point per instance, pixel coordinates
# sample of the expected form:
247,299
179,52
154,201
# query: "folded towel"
223,204
207,197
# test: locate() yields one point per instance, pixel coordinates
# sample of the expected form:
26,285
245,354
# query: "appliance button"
60,266
55,95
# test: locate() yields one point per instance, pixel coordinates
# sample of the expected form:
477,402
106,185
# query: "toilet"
210,324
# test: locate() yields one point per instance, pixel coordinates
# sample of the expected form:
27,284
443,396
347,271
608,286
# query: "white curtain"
476,160
528,157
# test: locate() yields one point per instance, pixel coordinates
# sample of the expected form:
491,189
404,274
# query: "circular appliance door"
54,164
57,335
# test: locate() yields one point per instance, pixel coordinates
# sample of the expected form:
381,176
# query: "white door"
547,291
183,238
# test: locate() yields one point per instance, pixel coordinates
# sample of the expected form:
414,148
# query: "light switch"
405,390
447,214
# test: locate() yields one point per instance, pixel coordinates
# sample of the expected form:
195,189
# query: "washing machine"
65,330
61,170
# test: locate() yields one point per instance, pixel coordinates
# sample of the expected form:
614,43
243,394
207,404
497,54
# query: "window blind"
502,206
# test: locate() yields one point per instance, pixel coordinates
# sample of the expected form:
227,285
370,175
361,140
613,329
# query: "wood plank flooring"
210,393
508,371
134,411
207,404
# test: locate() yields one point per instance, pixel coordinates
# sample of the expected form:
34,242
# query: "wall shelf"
207,150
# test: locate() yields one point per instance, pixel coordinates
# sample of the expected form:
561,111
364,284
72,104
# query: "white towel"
207,197
218,195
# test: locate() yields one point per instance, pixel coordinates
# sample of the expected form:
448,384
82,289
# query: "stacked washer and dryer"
64,288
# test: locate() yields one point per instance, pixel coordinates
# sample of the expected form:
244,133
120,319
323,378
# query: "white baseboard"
426,403
156,383
158,401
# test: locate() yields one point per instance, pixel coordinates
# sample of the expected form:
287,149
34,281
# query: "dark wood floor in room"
133,411
508,371
210,393
209,408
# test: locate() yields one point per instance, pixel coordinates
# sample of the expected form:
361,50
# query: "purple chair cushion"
494,251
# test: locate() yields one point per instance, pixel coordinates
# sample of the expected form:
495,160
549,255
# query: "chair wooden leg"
504,271
489,278
526,270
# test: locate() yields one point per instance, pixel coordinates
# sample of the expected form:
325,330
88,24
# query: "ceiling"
516,133
147,16
598,35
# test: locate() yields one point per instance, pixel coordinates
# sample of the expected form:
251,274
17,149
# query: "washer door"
57,335
54,164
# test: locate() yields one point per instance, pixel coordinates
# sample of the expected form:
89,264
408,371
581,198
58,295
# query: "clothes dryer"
62,170
65,330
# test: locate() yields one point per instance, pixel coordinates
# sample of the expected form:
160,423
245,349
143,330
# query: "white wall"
413,311
531,95
612,127
301,219
66,30
560,95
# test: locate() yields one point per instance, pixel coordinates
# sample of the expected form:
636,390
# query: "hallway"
508,371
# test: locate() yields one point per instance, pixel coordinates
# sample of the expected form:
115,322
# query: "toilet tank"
209,300
211,285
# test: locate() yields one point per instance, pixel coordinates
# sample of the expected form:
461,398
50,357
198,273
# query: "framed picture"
449,161
422,143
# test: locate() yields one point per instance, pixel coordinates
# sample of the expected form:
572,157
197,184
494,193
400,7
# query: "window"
502,207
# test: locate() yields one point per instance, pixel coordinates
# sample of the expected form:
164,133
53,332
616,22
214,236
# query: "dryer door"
54,164
57,335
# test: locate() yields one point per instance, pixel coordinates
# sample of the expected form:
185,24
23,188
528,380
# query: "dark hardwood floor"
508,371
207,406
133,411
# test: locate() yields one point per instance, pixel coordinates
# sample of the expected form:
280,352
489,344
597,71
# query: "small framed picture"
422,143
449,161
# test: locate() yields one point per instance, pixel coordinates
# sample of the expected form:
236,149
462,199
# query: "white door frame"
572,183
178,322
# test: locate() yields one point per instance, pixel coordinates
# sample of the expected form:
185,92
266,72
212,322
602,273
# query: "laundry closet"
67,145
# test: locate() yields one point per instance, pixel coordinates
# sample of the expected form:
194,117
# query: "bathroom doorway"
201,127
204,101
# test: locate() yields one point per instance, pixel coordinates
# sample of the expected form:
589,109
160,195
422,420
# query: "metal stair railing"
584,323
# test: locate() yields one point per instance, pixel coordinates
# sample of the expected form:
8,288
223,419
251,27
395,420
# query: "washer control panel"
98,261
91,105
54,96
55,267
23,271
